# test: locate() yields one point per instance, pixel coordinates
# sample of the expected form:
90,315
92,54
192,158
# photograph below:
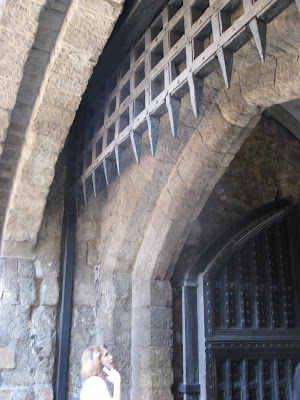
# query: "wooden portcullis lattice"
185,43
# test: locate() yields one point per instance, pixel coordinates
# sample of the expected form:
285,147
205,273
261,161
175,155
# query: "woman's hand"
114,377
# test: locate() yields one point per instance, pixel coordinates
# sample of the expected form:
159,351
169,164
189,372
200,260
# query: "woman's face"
106,359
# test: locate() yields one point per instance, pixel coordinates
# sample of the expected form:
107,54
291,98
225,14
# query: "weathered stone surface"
142,213
44,393
7,358
85,333
43,321
50,270
49,295
105,8
5,395
54,97
84,294
25,269
90,22
4,118
9,290
23,394
28,291
14,248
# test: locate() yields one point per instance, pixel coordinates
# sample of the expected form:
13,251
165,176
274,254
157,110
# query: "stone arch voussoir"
209,151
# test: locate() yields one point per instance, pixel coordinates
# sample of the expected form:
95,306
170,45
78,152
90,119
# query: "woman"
97,366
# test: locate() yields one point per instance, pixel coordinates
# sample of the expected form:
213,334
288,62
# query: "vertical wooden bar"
190,338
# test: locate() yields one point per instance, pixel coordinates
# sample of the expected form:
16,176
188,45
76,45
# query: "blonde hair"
90,362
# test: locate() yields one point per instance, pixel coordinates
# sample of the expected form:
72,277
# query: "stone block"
68,84
44,322
257,83
7,358
9,291
46,270
39,177
21,17
105,8
14,57
41,159
233,106
122,318
83,327
84,294
10,156
37,64
93,255
287,77
67,67
58,98
21,229
161,318
46,39
18,249
86,229
28,291
16,40
5,330
44,393
161,293
28,91
26,269
10,268
8,100
15,379
27,190
161,337
69,53
3,133
49,292
154,378
4,118
141,293
21,113
23,394
13,140
52,114
90,45
51,19
5,395
8,87
13,72
92,24
58,5
141,337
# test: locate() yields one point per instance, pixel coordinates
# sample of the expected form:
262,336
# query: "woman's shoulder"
93,388
94,381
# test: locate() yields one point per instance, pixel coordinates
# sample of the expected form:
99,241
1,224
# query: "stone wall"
130,237
108,236
266,168
29,293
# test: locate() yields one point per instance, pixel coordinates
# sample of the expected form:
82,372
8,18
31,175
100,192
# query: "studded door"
252,313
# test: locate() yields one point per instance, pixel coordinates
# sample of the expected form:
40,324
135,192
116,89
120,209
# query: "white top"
94,388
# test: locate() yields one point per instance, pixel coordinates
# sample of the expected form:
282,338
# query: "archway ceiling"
228,116
34,133
48,52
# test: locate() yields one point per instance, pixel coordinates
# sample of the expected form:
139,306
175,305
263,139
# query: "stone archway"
220,133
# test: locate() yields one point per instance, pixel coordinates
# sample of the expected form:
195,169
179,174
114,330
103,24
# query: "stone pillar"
151,353
27,331
114,322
